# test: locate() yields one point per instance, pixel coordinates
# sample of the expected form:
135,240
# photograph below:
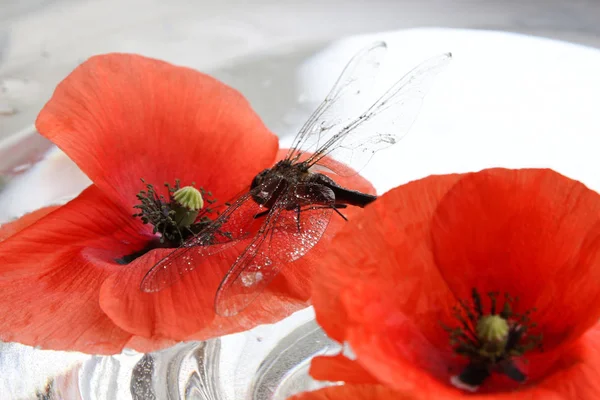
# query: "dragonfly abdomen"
343,195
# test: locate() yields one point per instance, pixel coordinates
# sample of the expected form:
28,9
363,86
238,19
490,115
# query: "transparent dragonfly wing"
345,100
236,223
386,122
288,235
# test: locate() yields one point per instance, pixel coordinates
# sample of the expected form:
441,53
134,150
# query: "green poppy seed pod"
189,197
188,201
492,328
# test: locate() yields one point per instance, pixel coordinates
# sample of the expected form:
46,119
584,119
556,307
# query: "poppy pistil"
187,204
490,341
176,218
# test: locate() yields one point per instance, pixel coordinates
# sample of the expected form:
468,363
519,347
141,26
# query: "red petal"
532,233
339,368
52,273
578,376
186,309
346,392
9,229
123,117
387,337
388,247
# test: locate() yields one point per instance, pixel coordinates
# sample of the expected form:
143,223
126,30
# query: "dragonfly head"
259,178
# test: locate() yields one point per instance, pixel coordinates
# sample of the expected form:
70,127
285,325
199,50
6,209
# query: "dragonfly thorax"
273,182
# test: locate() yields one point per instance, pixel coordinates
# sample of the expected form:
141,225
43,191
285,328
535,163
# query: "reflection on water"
284,371
234,367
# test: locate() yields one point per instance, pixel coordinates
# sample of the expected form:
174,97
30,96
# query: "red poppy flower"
64,281
407,282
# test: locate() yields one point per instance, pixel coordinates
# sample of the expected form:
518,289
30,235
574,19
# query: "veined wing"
344,101
386,122
236,223
287,236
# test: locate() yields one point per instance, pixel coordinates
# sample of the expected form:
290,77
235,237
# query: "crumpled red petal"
122,117
534,233
50,274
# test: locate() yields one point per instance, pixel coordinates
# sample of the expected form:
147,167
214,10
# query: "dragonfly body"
293,201
286,174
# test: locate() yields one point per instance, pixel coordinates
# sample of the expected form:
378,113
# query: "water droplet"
251,278
247,279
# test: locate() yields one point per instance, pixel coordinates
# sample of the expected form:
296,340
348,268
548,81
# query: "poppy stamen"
174,218
490,341
179,216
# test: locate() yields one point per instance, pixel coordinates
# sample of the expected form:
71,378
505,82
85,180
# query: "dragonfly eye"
258,179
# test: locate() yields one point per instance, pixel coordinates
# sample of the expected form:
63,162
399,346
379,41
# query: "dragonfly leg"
339,213
262,214
336,208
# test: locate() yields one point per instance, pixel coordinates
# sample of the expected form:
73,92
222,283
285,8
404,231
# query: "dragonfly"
287,208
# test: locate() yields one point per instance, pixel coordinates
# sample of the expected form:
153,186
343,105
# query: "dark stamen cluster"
485,354
159,211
